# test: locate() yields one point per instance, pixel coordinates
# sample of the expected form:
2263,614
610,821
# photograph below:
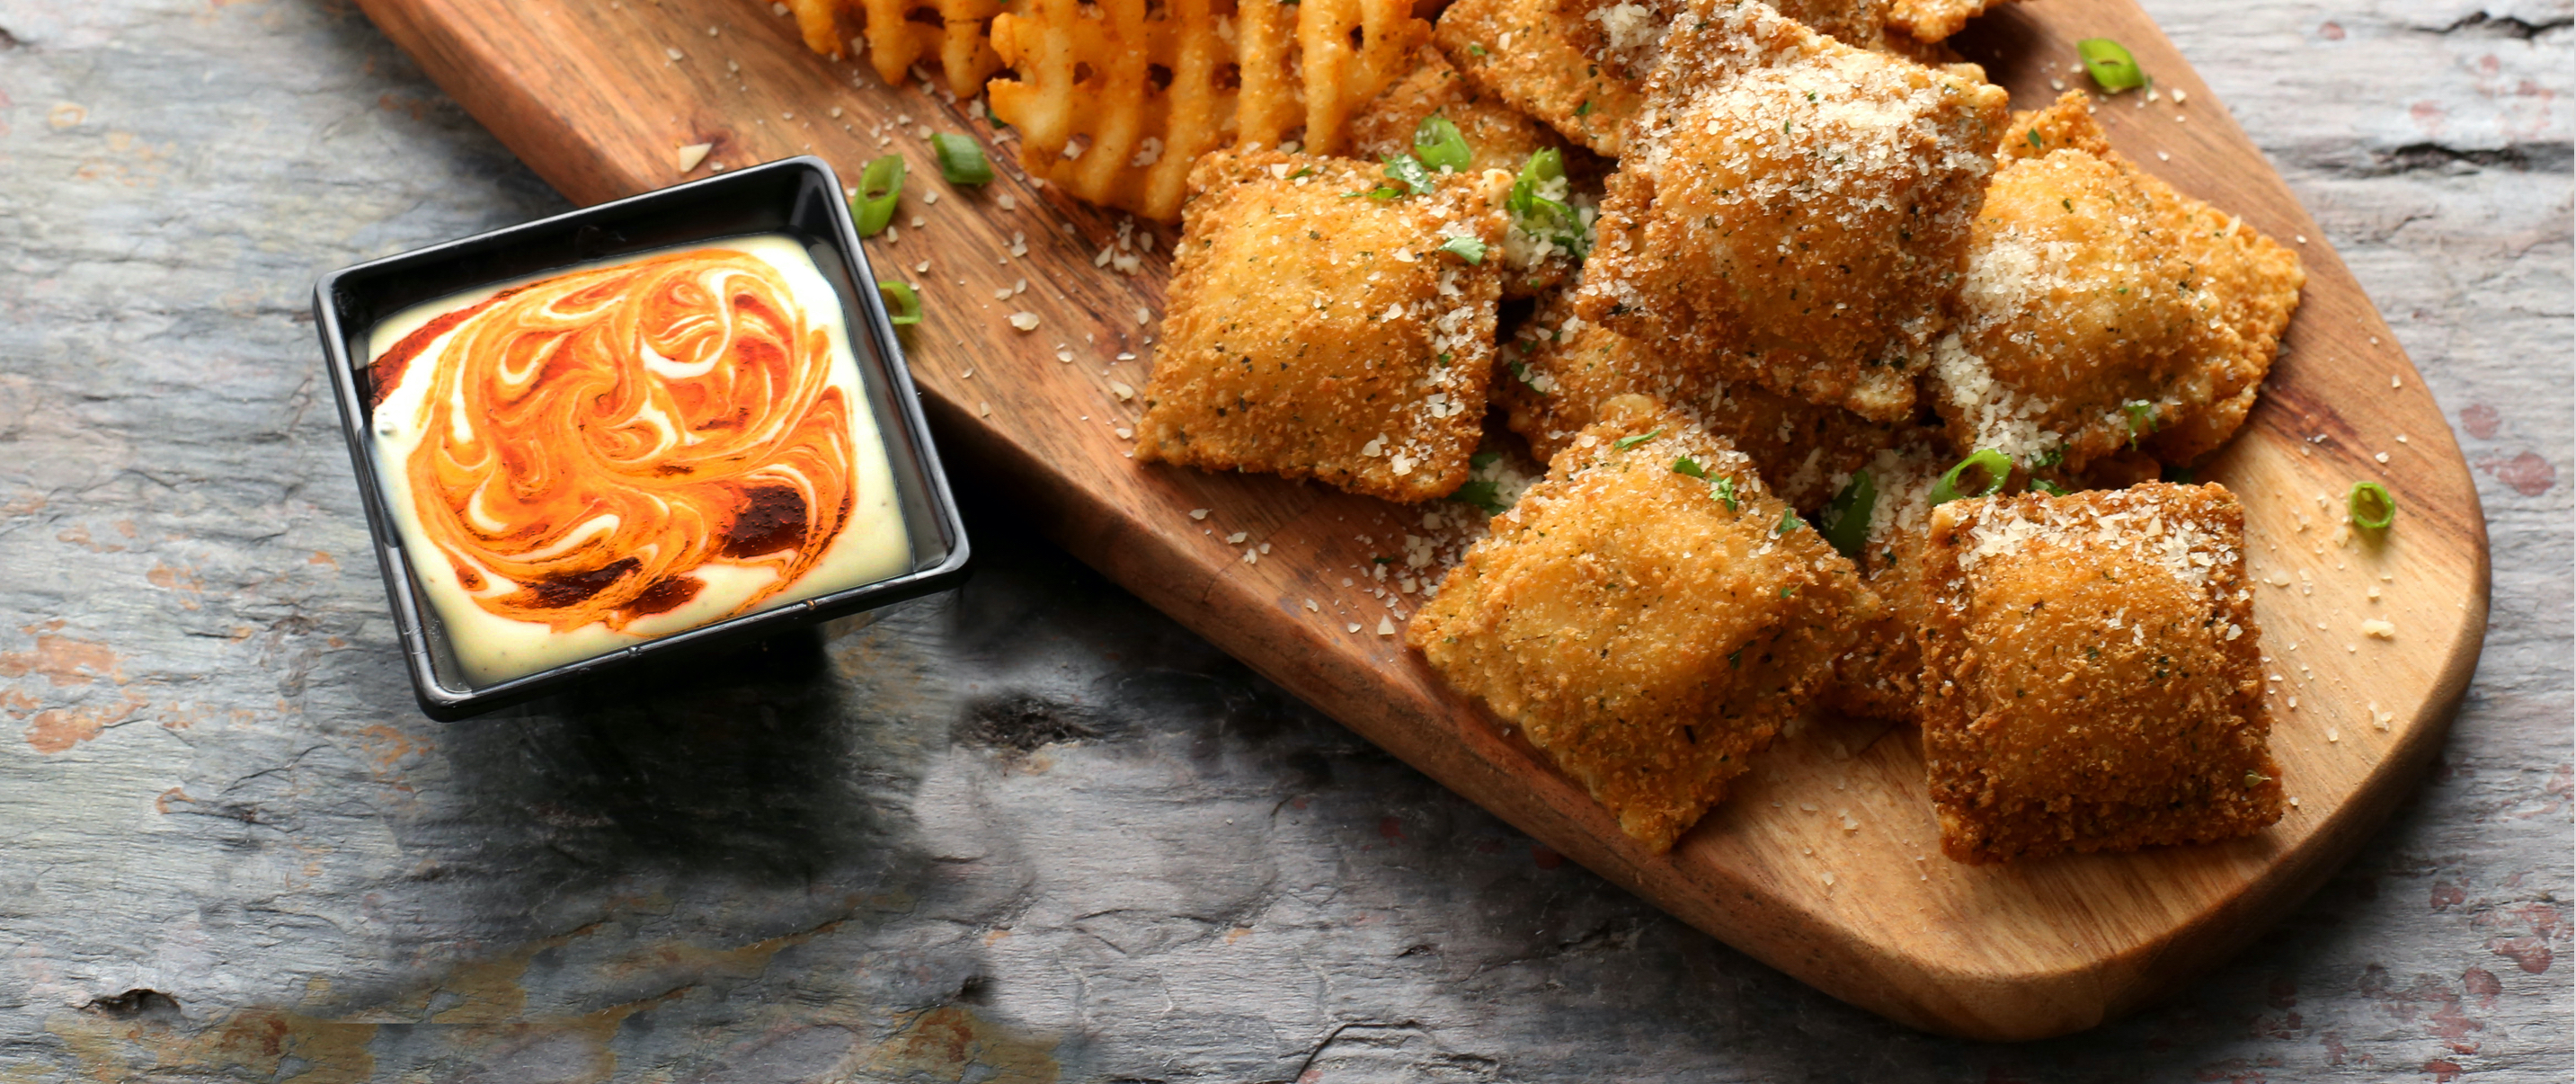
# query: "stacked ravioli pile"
1853,387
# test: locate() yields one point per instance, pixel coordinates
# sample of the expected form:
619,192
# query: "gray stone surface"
1034,831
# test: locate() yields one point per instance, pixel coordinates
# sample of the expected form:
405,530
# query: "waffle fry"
896,34
1308,66
1116,106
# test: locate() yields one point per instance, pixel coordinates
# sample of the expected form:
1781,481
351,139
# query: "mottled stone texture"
1032,832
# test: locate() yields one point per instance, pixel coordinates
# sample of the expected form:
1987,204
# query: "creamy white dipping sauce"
597,468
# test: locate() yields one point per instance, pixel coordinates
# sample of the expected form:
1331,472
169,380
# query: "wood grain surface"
1826,863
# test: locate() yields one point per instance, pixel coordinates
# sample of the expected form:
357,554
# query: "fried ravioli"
1649,616
1800,447
1934,20
1318,331
2092,674
1499,136
1880,676
1520,51
2103,311
1794,209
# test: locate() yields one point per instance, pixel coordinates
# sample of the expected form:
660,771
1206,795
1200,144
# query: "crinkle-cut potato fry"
1115,99
2093,674
1793,208
1648,630
1880,677
1803,449
1520,51
1308,66
1316,332
2103,312
954,32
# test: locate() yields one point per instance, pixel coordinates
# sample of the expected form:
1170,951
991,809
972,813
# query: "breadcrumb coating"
2092,674
1934,20
1802,449
1648,630
2103,311
1881,675
1499,137
1317,331
1794,209
1522,53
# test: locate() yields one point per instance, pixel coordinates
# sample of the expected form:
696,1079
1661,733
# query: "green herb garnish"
1726,494
2372,508
1625,443
1539,216
1789,521
907,304
1437,143
1407,168
2142,418
1997,468
2110,64
1690,466
1844,524
880,185
961,161
1465,248
1482,493
2048,487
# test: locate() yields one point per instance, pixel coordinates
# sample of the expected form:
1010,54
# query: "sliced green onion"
961,160
1482,494
2371,507
2110,64
1997,468
1726,493
1845,521
1437,143
1541,217
907,304
1690,466
1625,443
1465,248
1302,171
880,185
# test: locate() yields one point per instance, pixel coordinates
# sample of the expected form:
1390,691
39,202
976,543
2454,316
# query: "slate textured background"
1032,832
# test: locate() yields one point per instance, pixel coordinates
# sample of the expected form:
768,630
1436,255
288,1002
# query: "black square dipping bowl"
798,198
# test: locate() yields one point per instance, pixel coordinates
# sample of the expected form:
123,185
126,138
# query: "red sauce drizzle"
621,428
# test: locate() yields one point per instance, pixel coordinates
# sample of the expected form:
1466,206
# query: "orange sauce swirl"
596,437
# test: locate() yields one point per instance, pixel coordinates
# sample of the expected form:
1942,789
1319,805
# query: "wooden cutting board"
1826,863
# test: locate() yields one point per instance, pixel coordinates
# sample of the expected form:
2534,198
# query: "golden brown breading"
2093,674
1798,210
1499,136
2103,310
1315,332
1933,20
1528,51
1648,630
1520,52
1881,675
1800,447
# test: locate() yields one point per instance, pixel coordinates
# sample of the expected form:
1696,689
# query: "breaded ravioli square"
1522,51
1326,323
1795,209
1498,137
1880,675
1562,368
2103,312
2093,674
1648,615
